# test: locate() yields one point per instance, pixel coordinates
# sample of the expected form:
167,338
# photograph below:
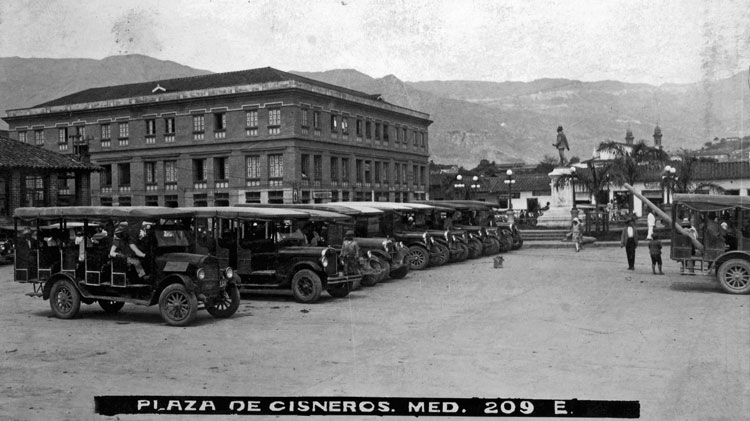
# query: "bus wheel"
734,276
64,299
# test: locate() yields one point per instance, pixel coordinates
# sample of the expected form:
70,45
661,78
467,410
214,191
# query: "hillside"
503,121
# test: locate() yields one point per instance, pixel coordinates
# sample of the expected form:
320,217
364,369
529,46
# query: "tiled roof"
15,154
216,80
721,170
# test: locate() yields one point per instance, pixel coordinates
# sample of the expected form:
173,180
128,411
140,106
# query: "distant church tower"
629,137
657,137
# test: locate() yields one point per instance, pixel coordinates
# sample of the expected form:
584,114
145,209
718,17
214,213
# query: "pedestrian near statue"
561,144
629,240
575,231
654,249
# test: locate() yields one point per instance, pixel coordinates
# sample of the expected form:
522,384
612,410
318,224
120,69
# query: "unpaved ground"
551,324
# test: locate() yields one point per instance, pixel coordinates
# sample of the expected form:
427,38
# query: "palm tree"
631,165
596,178
684,182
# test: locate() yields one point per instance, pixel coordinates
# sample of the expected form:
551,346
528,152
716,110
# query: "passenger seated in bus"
730,236
123,246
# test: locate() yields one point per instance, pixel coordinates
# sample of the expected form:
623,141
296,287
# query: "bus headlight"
200,274
228,273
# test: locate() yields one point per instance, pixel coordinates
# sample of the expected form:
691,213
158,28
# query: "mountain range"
498,121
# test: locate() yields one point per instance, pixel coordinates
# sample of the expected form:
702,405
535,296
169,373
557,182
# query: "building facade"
36,177
254,136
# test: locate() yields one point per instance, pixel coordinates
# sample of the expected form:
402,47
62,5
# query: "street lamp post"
669,178
573,178
474,186
459,184
510,181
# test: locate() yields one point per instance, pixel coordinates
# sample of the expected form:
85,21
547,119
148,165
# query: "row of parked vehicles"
184,259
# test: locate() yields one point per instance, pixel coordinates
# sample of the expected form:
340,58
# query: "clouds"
629,40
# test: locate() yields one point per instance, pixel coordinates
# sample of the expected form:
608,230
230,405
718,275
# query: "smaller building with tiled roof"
34,176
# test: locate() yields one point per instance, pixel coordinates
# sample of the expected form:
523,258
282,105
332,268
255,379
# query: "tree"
574,160
596,178
633,164
546,165
684,181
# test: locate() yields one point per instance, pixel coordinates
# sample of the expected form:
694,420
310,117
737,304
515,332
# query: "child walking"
654,249
576,234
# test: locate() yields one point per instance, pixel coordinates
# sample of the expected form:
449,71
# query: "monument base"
557,217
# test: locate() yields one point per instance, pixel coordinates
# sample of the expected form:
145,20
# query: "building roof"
15,154
721,170
524,182
215,80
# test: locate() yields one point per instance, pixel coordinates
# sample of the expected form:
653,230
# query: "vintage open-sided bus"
81,254
722,240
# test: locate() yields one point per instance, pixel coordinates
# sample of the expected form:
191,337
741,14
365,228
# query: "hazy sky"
632,40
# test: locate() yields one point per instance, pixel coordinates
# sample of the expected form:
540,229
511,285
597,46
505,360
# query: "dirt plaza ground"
550,324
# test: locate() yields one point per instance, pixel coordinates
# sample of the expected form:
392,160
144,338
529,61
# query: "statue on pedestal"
561,144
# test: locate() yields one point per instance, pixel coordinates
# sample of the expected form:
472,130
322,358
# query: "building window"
170,175
200,167
345,170
199,125
150,169
251,123
124,201
105,201
368,129
422,137
123,175
169,125
345,125
252,197
221,199
358,127
404,139
106,134
150,127
358,168
171,201
105,177
221,172
274,121
305,169
386,136
334,123
385,173
423,175
152,200
345,196
304,118
334,169
414,138
252,170
275,169
124,130
415,174
397,171
39,137
368,172
22,137
62,138
34,191
200,200
317,168
377,172
377,131
276,196
403,174
220,125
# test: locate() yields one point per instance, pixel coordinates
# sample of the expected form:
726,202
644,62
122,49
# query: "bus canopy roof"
712,202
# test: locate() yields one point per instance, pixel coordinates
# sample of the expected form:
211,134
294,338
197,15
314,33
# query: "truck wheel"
463,253
226,304
385,272
419,258
734,276
340,291
442,256
475,248
64,299
400,273
373,278
111,307
496,246
518,244
306,286
178,306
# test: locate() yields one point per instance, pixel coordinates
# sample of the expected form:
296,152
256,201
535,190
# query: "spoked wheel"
64,299
306,286
178,306
475,248
225,305
111,307
418,257
734,276
386,271
463,253
443,254
376,265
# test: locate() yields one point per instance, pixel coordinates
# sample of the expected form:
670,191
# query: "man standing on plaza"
561,144
629,240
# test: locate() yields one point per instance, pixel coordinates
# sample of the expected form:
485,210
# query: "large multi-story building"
254,136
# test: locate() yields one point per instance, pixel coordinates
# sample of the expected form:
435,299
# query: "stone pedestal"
559,213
